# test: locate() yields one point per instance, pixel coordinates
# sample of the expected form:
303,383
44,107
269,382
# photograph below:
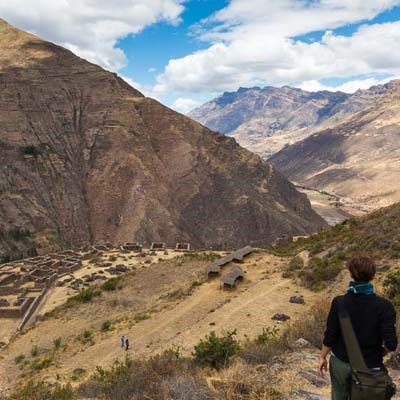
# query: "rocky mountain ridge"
266,120
87,158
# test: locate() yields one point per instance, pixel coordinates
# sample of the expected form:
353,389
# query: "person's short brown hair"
362,269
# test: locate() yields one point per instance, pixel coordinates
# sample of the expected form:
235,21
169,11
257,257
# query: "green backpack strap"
354,353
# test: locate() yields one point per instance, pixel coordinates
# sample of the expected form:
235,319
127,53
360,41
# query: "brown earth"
88,158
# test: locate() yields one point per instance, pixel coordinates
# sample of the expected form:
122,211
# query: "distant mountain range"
86,158
266,120
347,144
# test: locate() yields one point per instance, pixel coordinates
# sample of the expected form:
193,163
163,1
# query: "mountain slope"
87,158
359,158
265,120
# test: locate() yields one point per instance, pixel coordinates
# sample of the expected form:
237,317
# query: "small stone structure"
182,247
157,246
132,246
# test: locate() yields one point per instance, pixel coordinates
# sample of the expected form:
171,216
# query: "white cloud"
90,28
348,87
152,69
184,105
251,43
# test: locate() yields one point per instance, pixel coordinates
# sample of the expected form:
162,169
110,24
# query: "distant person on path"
373,319
122,339
126,344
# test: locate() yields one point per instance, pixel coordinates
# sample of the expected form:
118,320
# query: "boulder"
301,344
121,268
280,317
296,300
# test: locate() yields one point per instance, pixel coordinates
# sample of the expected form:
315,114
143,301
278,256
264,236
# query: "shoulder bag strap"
354,353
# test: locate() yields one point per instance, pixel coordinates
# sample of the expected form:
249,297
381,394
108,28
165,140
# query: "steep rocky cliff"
87,158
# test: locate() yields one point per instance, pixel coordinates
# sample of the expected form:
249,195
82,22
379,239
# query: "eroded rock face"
90,159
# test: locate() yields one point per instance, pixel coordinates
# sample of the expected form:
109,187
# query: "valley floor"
334,209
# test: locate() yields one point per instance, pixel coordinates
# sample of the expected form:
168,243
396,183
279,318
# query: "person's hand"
323,366
385,351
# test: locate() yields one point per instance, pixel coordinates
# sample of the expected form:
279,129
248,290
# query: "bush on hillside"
84,296
391,284
42,391
162,376
112,284
319,272
376,235
106,326
216,351
30,150
295,264
268,344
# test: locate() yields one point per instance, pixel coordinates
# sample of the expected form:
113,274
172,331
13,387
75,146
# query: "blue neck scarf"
361,288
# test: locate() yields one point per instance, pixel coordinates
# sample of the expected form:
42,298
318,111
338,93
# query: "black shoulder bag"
366,384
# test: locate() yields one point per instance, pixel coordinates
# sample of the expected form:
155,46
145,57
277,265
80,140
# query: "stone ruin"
131,246
182,247
24,283
157,246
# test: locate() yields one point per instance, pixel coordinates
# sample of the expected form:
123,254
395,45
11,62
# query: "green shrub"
34,351
30,150
39,364
391,284
57,343
84,296
295,264
319,272
19,359
15,233
106,326
268,344
112,284
268,335
216,351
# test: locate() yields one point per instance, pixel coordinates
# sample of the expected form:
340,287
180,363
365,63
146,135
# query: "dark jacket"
374,323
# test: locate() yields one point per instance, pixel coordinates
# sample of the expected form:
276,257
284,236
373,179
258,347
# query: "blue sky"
150,51
187,52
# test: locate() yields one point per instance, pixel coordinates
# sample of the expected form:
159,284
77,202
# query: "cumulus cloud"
90,28
348,87
256,42
184,104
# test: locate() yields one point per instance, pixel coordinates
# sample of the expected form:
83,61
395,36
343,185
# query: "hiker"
122,339
359,316
126,344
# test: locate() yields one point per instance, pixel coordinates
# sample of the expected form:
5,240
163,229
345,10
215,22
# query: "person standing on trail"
122,339
360,331
126,344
